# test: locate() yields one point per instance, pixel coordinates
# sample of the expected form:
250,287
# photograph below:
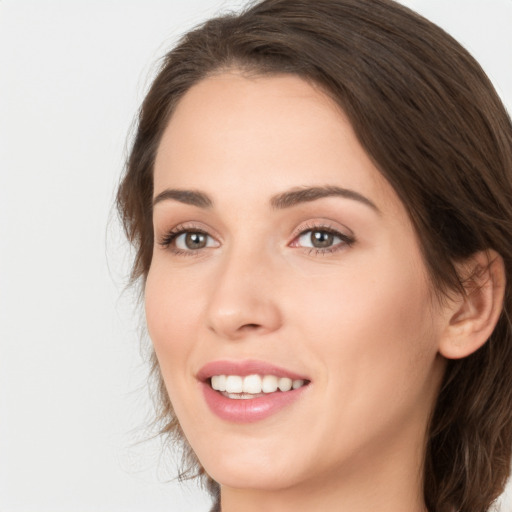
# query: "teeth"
297,383
253,384
285,384
269,384
239,396
219,382
234,384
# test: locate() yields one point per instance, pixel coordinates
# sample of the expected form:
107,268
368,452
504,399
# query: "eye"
184,240
322,240
318,239
193,240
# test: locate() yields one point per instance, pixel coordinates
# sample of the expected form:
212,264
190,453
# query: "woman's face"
281,252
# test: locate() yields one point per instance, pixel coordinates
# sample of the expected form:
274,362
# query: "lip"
244,368
253,409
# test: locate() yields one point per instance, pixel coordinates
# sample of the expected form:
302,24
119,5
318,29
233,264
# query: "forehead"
266,133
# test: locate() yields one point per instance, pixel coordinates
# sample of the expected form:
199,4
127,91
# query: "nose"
244,300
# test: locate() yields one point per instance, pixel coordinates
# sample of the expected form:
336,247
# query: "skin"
360,321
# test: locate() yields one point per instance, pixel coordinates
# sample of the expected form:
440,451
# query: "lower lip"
251,409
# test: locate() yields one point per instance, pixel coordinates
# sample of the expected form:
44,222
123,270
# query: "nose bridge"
242,300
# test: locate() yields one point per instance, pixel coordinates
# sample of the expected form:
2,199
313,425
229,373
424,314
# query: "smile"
252,386
248,391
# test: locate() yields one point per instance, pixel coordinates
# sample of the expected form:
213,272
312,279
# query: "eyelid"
169,235
344,233
347,239
325,225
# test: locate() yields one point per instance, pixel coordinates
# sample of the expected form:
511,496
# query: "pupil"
195,240
321,239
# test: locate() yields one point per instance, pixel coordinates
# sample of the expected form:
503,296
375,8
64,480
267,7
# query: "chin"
263,482
258,474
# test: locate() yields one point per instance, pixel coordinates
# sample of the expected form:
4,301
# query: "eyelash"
346,240
167,240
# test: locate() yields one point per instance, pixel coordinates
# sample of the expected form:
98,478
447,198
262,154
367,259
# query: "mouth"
238,387
248,391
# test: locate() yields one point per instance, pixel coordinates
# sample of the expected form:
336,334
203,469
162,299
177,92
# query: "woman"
319,194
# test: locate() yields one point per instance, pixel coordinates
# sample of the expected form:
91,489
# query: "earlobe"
473,316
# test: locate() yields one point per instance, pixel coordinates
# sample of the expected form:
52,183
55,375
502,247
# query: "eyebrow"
307,194
192,197
280,201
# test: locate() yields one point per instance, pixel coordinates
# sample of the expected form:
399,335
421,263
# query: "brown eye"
192,240
183,241
321,239
195,240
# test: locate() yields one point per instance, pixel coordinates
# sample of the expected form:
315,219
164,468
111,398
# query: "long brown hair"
429,118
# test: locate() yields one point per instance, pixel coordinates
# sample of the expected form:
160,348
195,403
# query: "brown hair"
428,116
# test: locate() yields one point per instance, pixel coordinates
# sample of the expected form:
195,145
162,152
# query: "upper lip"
244,368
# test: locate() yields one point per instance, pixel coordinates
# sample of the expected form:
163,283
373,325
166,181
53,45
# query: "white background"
72,378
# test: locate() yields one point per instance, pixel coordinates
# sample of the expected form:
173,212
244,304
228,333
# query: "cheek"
386,295
374,331
372,337
172,308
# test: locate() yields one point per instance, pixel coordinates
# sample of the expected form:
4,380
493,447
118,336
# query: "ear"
473,315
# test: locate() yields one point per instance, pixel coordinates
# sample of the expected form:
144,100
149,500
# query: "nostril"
250,327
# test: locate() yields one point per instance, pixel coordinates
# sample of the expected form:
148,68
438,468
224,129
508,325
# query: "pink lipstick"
247,391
